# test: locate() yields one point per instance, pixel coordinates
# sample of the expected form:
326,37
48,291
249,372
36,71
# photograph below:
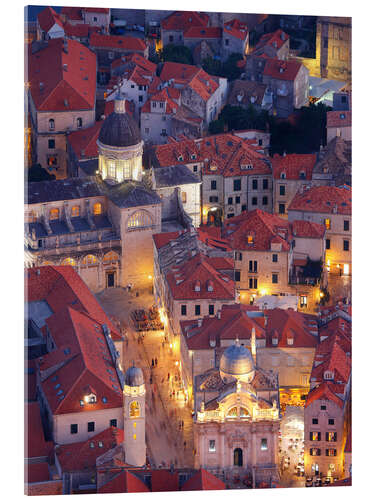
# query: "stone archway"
215,216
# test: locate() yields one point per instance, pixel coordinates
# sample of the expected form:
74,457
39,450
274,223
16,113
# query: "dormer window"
275,341
90,398
180,158
193,156
250,239
197,286
290,341
210,286
328,375
283,175
302,174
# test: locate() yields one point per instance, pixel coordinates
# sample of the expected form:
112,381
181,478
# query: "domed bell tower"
134,417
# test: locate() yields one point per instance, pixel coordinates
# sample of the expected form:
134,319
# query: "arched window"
51,123
97,209
79,122
134,409
75,211
110,257
244,412
68,262
54,214
232,412
237,457
90,260
139,219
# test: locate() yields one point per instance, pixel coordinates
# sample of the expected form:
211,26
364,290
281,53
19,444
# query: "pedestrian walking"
152,362
182,424
185,444
156,361
169,376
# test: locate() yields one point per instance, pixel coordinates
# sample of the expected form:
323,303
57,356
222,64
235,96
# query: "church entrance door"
237,457
110,280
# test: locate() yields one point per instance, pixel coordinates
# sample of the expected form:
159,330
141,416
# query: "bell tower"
134,417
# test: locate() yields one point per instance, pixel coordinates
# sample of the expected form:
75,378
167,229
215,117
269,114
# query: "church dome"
119,129
134,377
236,363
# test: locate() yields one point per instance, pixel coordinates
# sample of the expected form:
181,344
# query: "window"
97,208
90,260
230,200
110,257
275,278
253,283
346,245
265,183
154,104
183,310
51,123
197,310
183,196
226,42
331,421
314,452
211,309
238,199
328,244
331,452
254,200
211,445
327,223
95,19
54,214
315,436
170,38
255,184
230,215
134,409
346,225
243,208
147,130
75,211
113,422
163,131
68,262
331,436
282,190
238,255
73,428
237,275
90,426
161,104
79,122
323,407
281,208
111,55
237,185
343,99
140,98
265,200
195,168
315,421
52,160
274,257
51,143
139,219
253,266
263,444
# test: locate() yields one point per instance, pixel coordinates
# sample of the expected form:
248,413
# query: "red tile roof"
182,20
72,13
162,239
124,482
285,324
99,10
45,488
236,28
81,456
137,59
48,18
80,365
263,227
307,229
292,165
35,443
163,480
282,70
272,39
339,119
130,43
323,392
61,81
163,96
203,480
211,236
201,33
324,199
36,473
109,107
77,30
198,269
83,141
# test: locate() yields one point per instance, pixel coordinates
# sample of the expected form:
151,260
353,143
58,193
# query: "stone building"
96,225
236,421
49,24
174,26
334,164
275,45
59,102
235,38
339,124
250,94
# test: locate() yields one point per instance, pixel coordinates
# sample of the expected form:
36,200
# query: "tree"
176,53
230,69
216,127
37,173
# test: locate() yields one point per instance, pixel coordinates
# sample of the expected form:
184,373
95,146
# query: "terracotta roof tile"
293,165
182,20
35,443
163,480
124,482
36,473
236,28
72,13
120,42
48,18
203,480
324,199
202,32
162,239
307,229
83,141
282,70
278,38
339,119
323,392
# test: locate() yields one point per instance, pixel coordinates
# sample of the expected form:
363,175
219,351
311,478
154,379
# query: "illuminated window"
90,260
97,209
54,214
263,444
250,239
134,436
47,263
139,219
244,412
79,122
68,262
315,436
211,445
232,412
51,124
111,169
327,223
331,436
134,409
110,257
75,211
331,452
314,452
183,197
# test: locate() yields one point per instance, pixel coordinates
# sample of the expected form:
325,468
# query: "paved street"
291,447
165,402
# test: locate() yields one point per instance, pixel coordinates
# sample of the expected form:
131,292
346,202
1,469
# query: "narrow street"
164,410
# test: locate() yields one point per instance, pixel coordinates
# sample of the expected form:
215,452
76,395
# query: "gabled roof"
263,227
275,39
307,229
182,20
339,119
282,70
170,106
63,80
162,239
324,199
114,41
176,175
137,59
244,92
183,279
84,143
164,480
203,480
211,236
82,456
285,324
48,18
72,13
201,33
293,165
236,28
35,443
323,392
124,482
